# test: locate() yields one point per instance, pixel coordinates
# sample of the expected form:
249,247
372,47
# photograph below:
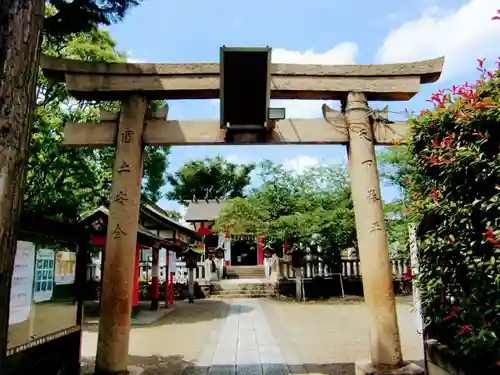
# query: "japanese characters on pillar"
119,268
385,344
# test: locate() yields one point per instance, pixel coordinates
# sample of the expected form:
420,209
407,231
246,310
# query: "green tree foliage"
394,166
454,181
62,181
310,209
209,179
71,17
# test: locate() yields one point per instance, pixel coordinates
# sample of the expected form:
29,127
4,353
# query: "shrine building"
157,235
239,249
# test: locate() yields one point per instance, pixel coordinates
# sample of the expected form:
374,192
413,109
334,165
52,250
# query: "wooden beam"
290,131
116,87
428,70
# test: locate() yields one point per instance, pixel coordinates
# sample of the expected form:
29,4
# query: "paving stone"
248,357
249,369
222,370
275,369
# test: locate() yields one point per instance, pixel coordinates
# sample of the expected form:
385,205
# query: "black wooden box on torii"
245,94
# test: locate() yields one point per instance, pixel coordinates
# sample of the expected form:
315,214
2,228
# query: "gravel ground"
329,336
169,345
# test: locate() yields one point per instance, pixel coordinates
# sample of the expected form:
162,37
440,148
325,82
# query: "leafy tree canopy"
452,185
209,179
62,182
70,17
311,209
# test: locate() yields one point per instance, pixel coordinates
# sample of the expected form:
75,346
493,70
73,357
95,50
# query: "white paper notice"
44,275
22,283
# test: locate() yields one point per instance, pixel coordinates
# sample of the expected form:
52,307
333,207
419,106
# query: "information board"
44,275
22,283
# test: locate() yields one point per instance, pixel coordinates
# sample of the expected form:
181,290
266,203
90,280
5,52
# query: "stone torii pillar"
118,278
385,346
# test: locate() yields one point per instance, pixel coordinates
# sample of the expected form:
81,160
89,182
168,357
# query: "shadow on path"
152,365
185,313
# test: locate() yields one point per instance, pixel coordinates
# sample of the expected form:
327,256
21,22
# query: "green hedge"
454,186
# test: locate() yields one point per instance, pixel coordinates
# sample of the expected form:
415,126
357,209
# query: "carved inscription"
124,167
368,162
372,196
127,136
363,134
121,197
375,227
118,232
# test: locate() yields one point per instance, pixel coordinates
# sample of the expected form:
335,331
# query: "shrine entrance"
244,81
243,253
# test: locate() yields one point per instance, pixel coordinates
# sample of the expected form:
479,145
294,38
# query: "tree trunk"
20,36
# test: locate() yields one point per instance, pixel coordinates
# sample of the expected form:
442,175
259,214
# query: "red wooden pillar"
135,290
155,276
260,250
167,280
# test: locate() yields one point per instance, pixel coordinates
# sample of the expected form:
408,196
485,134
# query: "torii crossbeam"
357,126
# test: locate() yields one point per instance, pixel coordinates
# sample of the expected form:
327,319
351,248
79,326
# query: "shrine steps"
246,272
242,288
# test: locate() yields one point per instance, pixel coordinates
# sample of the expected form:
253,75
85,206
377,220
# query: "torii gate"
357,126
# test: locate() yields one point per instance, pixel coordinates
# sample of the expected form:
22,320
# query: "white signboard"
44,275
22,283
172,266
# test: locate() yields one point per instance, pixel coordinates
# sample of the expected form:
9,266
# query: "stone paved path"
245,346
254,337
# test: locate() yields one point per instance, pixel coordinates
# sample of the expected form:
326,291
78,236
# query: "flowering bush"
454,185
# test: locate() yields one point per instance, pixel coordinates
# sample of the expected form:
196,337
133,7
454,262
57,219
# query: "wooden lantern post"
191,259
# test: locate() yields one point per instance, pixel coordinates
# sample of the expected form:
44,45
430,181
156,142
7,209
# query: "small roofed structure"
201,213
156,220
268,251
97,222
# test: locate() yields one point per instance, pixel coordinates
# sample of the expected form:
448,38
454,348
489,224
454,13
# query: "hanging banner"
44,275
21,290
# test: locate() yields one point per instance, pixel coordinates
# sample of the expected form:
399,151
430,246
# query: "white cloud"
182,210
461,35
300,163
132,59
343,53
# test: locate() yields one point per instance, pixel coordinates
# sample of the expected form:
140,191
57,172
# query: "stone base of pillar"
364,367
155,304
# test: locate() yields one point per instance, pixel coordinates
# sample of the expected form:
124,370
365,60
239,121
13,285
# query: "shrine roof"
159,215
140,228
203,210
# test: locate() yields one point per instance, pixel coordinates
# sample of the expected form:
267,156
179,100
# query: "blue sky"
313,31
